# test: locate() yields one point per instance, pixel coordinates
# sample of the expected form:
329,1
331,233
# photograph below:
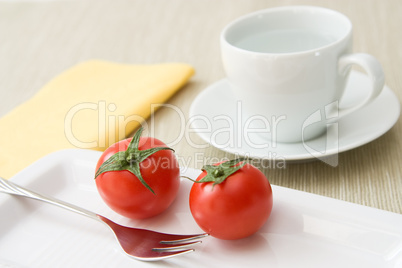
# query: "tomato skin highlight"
123,192
235,208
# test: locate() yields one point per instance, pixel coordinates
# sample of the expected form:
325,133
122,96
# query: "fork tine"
175,247
178,239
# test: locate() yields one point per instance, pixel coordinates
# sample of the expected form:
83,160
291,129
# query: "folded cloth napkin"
92,105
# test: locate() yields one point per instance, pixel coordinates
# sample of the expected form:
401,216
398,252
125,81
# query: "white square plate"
304,230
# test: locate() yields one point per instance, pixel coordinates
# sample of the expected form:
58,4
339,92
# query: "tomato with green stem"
138,177
231,200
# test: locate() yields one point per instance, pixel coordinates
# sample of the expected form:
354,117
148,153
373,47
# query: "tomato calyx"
130,159
219,173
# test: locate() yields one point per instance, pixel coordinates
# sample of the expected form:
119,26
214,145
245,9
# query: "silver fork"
140,244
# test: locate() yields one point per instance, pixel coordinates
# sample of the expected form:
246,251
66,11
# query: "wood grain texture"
38,40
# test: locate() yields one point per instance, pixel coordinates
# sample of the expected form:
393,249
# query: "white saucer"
215,115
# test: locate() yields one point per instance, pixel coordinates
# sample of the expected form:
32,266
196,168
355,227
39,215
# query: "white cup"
287,63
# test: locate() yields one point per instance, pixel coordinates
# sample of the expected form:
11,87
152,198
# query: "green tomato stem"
219,173
130,159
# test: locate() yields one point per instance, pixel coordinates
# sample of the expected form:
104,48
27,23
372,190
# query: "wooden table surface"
39,40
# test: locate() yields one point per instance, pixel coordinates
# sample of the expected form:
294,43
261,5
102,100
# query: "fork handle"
9,187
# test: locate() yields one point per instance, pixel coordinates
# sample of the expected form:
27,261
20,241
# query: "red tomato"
235,208
123,192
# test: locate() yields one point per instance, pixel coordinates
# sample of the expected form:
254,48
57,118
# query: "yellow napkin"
92,105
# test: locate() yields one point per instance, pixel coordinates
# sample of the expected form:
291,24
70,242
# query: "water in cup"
284,41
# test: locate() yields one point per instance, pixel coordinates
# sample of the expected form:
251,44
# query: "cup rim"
238,20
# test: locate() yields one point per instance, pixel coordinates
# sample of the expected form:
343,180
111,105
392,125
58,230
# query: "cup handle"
374,70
